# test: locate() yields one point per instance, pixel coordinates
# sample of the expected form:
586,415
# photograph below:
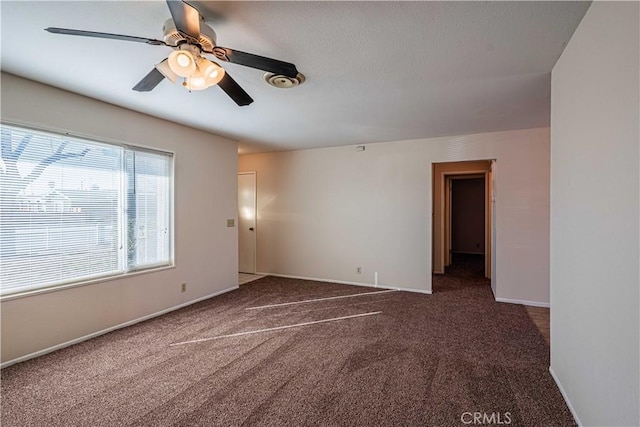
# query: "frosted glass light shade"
196,82
212,72
214,76
166,71
182,63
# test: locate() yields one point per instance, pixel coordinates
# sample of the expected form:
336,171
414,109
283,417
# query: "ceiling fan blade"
186,18
255,61
150,81
235,92
71,32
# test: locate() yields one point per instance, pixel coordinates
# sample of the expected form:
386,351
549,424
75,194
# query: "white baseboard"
110,329
524,302
343,282
565,397
417,291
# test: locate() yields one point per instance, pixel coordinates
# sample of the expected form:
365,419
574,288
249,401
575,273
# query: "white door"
247,222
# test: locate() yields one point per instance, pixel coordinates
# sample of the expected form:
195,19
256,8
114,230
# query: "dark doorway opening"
466,265
467,225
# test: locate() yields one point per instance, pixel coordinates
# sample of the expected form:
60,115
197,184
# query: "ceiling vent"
283,82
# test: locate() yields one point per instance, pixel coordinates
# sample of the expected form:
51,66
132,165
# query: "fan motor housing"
173,38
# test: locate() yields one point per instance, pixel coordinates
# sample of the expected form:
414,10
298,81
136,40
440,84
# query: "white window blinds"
147,209
73,210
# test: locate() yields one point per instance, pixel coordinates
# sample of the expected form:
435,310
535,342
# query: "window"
73,210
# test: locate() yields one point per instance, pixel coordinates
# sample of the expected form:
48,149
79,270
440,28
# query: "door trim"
441,173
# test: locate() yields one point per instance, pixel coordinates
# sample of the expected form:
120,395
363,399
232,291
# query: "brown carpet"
425,360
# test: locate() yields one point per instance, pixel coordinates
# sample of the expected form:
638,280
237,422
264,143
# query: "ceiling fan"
190,38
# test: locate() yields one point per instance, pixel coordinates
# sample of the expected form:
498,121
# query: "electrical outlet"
183,287
359,270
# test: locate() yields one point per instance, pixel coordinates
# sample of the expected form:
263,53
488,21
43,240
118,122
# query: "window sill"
119,276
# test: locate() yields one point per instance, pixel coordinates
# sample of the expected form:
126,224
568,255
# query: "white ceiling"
376,71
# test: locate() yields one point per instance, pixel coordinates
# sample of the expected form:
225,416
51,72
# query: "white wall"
595,215
323,212
205,196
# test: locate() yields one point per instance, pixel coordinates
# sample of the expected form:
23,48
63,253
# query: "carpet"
420,360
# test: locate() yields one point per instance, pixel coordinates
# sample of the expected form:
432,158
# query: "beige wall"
595,193
324,212
205,196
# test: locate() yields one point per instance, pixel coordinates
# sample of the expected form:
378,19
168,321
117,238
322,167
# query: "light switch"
231,223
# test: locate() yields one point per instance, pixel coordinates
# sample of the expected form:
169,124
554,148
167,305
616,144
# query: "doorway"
466,224
463,216
247,222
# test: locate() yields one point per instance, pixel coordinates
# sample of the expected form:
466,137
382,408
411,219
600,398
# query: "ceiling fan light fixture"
190,38
166,71
196,82
213,73
183,60
182,63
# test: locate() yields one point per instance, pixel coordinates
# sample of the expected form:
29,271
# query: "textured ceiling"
376,71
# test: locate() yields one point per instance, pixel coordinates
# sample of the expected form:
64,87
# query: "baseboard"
565,397
344,282
110,329
417,291
524,302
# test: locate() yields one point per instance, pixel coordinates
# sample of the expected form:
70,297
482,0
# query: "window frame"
125,273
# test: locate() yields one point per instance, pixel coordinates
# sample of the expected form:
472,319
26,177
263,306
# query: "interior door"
247,222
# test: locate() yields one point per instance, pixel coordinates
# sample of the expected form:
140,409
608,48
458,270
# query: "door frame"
255,220
441,173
